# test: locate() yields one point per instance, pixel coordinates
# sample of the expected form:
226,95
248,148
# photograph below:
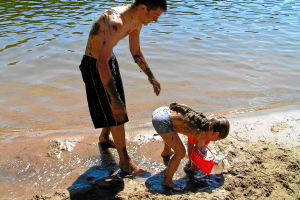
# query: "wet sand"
258,160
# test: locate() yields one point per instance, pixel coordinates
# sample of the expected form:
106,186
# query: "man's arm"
109,40
140,60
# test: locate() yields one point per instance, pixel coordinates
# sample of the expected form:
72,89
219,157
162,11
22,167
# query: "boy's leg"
193,167
172,140
167,151
126,164
190,147
189,167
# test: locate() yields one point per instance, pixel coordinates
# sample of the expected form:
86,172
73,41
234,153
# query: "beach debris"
60,146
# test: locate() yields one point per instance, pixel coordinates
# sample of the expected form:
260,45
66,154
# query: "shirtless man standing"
100,70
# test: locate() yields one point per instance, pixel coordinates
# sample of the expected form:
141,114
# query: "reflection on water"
33,176
212,55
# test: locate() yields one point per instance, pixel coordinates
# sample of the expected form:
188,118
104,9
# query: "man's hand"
117,106
139,60
156,86
119,111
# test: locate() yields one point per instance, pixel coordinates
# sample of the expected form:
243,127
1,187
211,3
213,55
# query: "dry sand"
260,160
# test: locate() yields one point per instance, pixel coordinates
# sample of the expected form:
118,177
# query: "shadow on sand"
106,181
99,182
199,182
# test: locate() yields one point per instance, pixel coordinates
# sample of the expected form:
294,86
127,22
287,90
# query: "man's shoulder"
116,11
112,20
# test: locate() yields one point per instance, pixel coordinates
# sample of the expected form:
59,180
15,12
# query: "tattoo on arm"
149,73
112,90
95,29
147,70
116,103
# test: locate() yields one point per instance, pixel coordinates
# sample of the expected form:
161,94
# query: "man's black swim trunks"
97,96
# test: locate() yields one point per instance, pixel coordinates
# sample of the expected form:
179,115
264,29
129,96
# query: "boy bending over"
179,118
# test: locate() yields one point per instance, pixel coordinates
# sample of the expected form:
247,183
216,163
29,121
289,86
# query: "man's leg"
126,164
105,138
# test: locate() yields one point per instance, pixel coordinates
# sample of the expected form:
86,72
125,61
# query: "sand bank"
260,160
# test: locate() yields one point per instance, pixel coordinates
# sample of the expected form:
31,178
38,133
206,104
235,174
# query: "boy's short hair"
151,4
220,124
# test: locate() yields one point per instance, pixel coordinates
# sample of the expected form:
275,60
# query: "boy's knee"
181,153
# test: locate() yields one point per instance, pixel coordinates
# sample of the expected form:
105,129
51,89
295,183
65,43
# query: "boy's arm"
199,145
201,138
193,167
140,60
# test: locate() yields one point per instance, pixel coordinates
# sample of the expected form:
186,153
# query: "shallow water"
74,160
212,55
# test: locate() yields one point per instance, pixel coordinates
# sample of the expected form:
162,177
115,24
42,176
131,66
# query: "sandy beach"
258,160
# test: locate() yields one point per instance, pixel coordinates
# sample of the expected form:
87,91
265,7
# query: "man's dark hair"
220,124
151,4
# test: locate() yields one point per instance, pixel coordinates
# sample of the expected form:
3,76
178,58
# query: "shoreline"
145,123
51,163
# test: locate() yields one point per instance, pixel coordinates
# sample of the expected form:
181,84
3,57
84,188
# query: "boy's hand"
204,151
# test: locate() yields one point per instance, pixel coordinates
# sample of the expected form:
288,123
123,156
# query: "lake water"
216,56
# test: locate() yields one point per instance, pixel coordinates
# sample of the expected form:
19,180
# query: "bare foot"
132,169
170,184
139,172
